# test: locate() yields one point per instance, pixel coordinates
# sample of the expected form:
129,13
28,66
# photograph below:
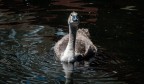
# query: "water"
30,28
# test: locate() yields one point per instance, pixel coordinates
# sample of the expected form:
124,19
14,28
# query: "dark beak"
75,18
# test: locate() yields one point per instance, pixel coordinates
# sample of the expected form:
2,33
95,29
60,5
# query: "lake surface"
30,28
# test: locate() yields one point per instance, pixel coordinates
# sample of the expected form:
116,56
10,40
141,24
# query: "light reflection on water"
27,37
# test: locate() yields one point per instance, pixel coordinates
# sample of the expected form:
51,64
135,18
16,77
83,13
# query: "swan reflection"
68,70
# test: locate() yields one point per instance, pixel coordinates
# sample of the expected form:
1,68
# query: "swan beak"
75,18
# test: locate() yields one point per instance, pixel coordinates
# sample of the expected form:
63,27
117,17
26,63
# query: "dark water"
30,28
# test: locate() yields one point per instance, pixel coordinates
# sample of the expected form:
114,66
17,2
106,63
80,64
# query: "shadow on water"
30,28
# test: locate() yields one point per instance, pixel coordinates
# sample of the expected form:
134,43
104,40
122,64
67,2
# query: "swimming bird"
76,45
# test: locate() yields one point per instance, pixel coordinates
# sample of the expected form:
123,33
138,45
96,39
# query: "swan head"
73,19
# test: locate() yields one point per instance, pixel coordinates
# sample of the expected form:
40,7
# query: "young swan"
75,46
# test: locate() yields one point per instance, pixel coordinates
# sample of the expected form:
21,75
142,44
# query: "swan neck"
69,52
72,37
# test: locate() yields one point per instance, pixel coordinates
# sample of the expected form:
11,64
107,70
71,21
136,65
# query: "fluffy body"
84,48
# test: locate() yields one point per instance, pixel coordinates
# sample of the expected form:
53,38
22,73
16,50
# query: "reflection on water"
68,70
84,75
30,28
